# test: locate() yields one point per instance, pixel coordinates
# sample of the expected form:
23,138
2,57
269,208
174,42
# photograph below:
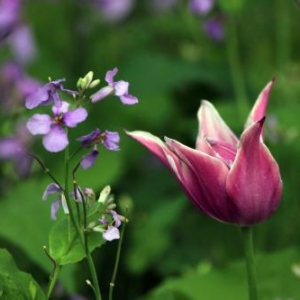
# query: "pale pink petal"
254,185
223,150
212,125
259,109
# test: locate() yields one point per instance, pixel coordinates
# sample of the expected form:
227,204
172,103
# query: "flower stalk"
250,263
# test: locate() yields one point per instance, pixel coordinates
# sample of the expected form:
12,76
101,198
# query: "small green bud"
94,83
104,194
79,83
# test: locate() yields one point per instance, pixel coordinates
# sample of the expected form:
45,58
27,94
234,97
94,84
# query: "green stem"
92,268
54,274
83,236
113,278
235,66
250,264
53,279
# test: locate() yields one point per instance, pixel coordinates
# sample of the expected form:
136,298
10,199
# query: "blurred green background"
171,250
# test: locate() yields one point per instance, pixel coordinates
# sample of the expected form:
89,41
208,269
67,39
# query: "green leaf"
24,214
65,246
275,280
15,284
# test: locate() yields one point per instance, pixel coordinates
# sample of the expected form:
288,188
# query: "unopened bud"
94,83
104,194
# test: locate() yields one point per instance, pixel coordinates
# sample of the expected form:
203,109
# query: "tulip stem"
250,264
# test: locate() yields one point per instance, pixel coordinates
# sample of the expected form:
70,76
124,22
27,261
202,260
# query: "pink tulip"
229,179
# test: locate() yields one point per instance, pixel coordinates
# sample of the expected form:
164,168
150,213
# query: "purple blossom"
201,7
15,85
109,139
55,137
22,44
54,189
9,16
115,10
112,232
117,88
214,28
15,148
47,93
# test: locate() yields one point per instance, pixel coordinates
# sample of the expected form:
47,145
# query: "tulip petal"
212,125
209,180
254,185
259,109
223,150
179,169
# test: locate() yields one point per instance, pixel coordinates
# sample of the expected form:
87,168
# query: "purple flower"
54,189
117,88
201,7
55,137
112,232
46,94
110,140
15,85
214,29
9,16
115,10
22,44
15,148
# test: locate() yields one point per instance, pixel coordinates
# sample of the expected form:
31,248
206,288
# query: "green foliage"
15,284
275,281
65,247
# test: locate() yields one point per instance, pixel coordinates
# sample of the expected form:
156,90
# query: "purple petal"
112,233
62,108
39,124
89,160
109,77
121,88
112,140
54,208
22,43
254,185
51,189
74,117
129,99
116,218
214,28
37,98
10,148
89,139
101,94
56,140
201,7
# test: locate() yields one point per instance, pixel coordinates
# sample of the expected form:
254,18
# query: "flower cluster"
108,220
54,128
